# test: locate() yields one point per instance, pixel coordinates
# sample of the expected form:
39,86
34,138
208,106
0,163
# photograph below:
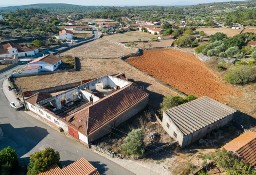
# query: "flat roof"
197,114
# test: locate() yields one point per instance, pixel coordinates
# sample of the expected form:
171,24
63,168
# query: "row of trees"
228,47
39,161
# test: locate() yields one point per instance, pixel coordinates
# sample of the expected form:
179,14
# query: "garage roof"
198,114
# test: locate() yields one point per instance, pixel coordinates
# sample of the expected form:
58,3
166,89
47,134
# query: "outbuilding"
191,121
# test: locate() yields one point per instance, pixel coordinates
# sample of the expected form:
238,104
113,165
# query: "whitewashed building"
66,35
47,63
91,110
10,50
1,18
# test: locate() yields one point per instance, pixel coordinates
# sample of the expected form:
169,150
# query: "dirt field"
101,48
184,72
250,30
228,31
130,37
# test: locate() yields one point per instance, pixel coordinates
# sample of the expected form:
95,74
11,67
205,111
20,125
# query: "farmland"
228,31
182,71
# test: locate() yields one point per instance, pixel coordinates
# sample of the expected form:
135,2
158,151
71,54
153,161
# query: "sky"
110,2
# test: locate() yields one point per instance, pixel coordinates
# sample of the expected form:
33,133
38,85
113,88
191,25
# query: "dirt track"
184,72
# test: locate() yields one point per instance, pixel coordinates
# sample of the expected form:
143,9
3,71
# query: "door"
73,132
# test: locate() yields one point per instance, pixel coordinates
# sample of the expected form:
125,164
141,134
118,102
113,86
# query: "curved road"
27,135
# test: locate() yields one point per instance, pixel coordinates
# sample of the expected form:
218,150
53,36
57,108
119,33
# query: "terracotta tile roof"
31,67
244,146
79,167
34,99
4,48
50,59
110,107
65,31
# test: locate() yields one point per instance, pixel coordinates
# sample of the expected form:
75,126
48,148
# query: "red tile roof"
65,31
244,146
31,67
109,108
50,59
79,167
4,48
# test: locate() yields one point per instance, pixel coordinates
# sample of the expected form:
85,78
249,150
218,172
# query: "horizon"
120,4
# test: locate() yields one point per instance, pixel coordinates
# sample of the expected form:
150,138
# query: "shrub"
43,160
8,161
223,55
254,54
231,164
200,48
251,62
134,143
222,65
171,101
232,51
241,74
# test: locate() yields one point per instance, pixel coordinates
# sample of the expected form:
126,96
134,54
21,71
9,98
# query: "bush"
241,74
254,54
134,143
231,165
223,55
222,65
43,160
8,161
251,62
199,49
172,101
232,51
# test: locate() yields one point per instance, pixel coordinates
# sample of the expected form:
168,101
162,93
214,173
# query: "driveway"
28,135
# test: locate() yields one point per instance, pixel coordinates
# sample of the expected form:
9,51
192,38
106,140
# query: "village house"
9,60
78,28
46,63
191,121
167,37
10,50
244,147
66,35
79,167
91,110
155,30
1,18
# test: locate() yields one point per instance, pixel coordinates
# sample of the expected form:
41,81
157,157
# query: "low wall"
9,67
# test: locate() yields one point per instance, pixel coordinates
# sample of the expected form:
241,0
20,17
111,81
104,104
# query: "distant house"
31,69
46,63
244,147
1,18
10,50
66,35
152,29
79,167
78,28
90,110
191,121
9,60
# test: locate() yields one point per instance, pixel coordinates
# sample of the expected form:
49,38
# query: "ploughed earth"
184,72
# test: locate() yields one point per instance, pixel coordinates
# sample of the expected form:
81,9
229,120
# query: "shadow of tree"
21,139
102,168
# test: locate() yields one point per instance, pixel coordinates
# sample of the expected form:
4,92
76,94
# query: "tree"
184,41
201,33
254,54
188,32
8,161
232,51
43,160
134,143
218,37
37,43
242,74
171,101
168,32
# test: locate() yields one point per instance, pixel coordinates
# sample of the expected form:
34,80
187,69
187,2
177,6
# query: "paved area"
28,135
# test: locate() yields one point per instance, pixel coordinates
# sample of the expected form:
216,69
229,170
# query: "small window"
175,135
41,112
167,124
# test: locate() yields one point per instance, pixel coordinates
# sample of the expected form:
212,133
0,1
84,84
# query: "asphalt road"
28,135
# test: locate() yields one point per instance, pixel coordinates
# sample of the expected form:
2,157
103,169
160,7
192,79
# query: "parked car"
17,105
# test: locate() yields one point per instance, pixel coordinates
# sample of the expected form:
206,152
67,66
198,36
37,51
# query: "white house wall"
83,138
47,116
117,81
172,128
